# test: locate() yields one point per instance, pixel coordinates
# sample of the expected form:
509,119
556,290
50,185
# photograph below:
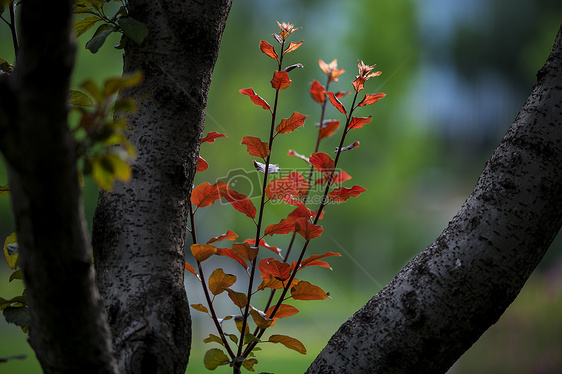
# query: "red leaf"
328,129
300,182
201,252
306,291
341,94
240,202
339,195
280,80
358,122
341,177
245,251
291,124
359,83
280,188
229,235
313,260
284,310
317,91
283,227
297,155
190,268
300,212
322,162
272,268
371,99
268,49
230,253
292,47
202,165
255,146
210,138
204,194
264,244
307,230
256,99
335,102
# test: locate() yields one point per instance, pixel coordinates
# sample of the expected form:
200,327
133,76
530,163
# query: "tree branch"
441,302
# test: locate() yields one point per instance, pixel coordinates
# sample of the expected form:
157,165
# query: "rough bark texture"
139,228
68,330
445,298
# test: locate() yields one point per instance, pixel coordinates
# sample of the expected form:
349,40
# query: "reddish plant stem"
260,218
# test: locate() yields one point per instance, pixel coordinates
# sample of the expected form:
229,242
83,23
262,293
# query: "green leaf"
80,26
249,364
19,316
10,251
5,66
126,105
4,189
16,275
99,37
214,358
135,30
92,88
79,98
113,85
213,338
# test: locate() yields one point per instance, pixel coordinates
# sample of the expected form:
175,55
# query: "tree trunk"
441,302
68,329
139,228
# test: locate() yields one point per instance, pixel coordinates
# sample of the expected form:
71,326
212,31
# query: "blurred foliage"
417,166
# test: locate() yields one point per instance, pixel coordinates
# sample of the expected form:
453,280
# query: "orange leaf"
262,322
264,244
359,83
219,281
240,202
210,138
288,342
291,124
238,298
339,195
358,122
268,49
276,284
307,230
371,99
335,102
230,253
317,91
256,99
202,165
306,291
322,162
272,268
284,310
245,251
190,268
283,227
200,308
292,47
280,80
313,260
205,194
201,252
229,235
255,146
328,129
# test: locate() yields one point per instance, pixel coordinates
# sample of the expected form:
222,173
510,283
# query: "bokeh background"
455,75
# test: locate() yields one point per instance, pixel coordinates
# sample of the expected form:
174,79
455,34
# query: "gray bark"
441,302
68,330
139,228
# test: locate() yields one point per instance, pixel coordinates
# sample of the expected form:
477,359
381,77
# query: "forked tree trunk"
139,228
441,302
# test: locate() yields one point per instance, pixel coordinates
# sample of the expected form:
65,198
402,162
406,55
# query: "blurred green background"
455,75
